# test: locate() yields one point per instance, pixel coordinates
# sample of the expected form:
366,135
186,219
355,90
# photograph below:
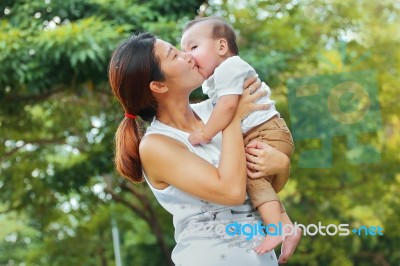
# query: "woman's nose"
188,57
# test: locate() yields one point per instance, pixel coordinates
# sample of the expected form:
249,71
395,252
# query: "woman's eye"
175,55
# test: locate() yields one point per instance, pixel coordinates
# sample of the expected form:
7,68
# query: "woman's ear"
158,87
223,48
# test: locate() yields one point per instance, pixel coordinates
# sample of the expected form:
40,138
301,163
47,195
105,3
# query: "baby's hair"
220,29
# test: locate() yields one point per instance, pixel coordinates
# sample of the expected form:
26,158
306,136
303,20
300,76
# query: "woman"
202,187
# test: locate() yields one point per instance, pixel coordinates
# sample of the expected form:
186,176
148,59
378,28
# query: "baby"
212,43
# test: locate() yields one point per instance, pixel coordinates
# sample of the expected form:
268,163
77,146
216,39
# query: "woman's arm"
168,162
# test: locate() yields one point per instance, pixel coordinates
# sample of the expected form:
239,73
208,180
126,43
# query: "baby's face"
198,42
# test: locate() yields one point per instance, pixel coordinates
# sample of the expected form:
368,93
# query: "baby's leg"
271,214
264,198
292,239
274,132
290,235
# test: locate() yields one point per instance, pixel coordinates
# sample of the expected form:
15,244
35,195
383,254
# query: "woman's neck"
179,114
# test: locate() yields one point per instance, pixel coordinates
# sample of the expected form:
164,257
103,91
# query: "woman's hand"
251,94
264,160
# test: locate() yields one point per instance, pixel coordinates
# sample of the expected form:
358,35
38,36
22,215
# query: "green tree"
295,39
58,119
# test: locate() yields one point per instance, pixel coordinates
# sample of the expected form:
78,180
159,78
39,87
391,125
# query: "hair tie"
130,116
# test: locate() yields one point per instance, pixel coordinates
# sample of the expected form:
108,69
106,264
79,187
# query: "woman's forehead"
162,48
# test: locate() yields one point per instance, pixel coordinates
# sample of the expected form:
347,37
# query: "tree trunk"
146,212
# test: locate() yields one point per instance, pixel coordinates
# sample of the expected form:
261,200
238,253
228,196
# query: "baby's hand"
196,138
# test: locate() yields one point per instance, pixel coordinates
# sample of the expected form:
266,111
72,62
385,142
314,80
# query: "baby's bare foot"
268,244
289,245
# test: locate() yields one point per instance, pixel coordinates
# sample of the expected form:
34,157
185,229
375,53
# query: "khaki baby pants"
275,133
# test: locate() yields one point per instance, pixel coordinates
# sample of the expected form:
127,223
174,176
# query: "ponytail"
132,67
127,159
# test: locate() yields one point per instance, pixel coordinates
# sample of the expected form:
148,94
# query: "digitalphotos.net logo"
284,230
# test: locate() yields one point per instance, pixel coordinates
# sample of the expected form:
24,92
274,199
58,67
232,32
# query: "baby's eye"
175,55
193,47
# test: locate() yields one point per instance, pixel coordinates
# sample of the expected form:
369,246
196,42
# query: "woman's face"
179,68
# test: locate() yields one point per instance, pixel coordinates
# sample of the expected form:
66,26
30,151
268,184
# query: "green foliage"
57,122
58,118
302,39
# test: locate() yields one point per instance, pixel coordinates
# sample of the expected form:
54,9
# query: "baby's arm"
220,118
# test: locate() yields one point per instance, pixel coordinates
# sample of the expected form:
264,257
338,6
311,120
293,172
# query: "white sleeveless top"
200,226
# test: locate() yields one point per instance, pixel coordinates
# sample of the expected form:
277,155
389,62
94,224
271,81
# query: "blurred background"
61,201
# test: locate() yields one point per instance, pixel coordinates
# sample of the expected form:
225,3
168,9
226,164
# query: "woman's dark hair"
132,67
220,29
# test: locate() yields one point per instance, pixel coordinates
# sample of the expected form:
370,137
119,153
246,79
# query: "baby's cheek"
197,57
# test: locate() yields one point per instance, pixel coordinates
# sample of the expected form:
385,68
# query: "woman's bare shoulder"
153,143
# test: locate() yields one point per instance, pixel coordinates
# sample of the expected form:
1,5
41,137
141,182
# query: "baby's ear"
158,87
223,48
